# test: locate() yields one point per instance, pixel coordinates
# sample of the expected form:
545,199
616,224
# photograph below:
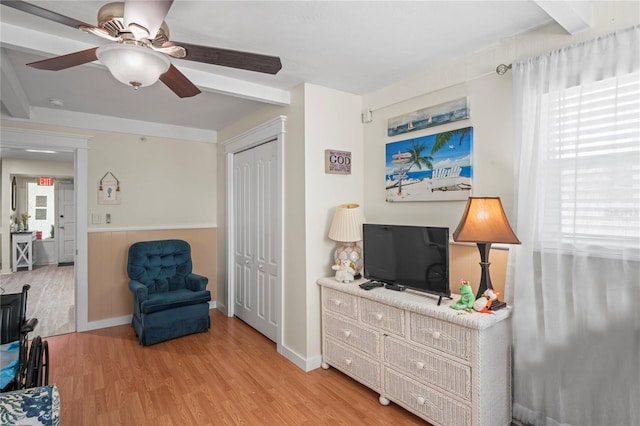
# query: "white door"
256,259
66,223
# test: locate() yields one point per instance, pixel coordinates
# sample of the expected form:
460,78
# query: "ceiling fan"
140,55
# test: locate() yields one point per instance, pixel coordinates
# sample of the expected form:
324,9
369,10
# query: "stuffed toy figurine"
483,304
466,297
345,270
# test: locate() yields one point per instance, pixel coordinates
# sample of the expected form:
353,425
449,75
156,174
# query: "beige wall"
109,295
464,264
164,182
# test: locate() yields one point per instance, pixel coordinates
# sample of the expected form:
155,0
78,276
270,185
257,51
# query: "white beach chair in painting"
446,179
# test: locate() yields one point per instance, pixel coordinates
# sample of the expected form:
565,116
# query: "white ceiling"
356,47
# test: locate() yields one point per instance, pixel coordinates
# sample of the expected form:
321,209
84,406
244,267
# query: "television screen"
415,257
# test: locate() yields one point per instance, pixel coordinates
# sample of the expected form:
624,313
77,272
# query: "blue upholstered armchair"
168,299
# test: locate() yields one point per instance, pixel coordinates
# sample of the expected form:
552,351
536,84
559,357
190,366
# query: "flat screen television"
413,257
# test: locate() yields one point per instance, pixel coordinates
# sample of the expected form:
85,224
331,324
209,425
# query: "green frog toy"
466,297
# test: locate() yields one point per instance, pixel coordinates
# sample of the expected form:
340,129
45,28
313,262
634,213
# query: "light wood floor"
230,375
51,298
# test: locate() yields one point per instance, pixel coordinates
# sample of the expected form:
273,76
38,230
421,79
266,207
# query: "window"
591,167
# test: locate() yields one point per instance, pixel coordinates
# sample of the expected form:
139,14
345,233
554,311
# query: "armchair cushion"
173,299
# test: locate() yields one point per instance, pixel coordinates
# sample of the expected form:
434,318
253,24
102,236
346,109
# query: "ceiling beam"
14,98
573,16
37,42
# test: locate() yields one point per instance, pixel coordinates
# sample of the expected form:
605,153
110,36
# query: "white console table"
23,252
448,367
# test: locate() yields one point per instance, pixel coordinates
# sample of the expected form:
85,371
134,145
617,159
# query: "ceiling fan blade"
232,58
179,83
66,61
142,16
44,13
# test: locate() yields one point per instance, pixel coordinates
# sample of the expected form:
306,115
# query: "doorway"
251,281
43,189
21,139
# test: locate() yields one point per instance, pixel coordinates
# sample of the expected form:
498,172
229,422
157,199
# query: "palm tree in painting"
442,139
416,159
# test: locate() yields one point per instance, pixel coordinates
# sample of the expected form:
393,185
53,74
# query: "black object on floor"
65,264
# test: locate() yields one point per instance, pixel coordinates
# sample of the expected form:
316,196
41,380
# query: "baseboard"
303,363
109,322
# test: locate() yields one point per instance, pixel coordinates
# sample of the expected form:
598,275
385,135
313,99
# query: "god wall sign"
338,162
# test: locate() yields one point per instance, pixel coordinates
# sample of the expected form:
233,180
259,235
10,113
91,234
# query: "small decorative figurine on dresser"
483,303
466,297
345,270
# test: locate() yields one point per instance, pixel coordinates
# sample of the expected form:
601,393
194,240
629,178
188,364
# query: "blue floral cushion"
33,406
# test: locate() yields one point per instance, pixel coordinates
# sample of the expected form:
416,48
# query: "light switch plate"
95,219
108,218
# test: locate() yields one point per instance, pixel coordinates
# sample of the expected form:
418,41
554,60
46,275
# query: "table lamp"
484,222
346,228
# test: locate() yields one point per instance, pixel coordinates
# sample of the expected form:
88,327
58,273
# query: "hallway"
51,298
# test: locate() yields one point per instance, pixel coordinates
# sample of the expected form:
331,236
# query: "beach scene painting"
436,167
447,112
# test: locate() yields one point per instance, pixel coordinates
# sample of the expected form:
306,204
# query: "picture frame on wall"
436,167
436,115
109,189
337,162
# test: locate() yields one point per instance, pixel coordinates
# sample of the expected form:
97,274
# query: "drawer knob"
436,334
420,400
347,333
337,302
420,365
348,361
379,317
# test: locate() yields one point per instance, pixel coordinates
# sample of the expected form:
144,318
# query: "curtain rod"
502,69
367,116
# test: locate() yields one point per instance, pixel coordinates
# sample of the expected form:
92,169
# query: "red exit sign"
45,181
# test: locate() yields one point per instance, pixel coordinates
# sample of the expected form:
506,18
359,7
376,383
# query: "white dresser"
446,366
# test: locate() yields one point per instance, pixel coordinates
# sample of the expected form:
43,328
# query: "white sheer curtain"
574,283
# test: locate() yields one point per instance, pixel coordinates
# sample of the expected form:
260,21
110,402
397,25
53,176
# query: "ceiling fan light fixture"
133,65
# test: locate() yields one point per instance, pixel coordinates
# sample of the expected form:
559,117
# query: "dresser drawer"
433,405
426,366
349,361
352,334
341,303
382,316
442,335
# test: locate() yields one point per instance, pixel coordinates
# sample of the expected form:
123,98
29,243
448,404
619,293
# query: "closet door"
256,260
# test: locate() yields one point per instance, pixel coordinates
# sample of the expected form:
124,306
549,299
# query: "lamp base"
349,252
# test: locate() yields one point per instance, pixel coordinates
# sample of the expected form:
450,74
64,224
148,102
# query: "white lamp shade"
347,223
133,65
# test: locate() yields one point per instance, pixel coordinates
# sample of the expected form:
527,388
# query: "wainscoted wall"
109,295
464,263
